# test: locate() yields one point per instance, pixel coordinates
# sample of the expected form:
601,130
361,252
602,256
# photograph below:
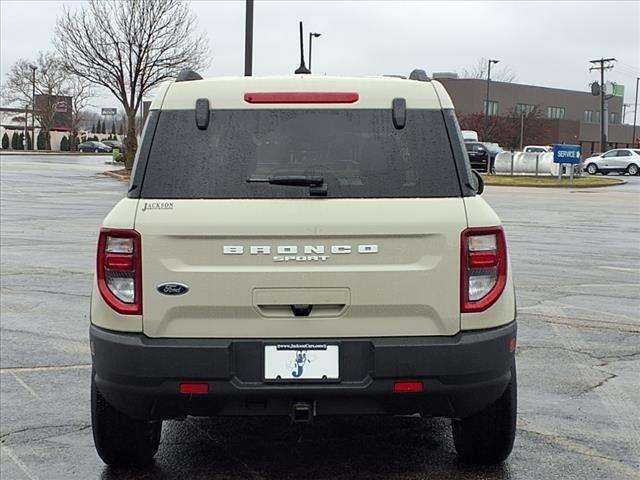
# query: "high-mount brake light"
483,268
301,97
119,270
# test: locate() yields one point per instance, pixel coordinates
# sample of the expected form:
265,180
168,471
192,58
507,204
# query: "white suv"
302,246
621,160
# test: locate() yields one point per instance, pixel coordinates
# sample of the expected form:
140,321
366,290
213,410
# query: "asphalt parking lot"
576,259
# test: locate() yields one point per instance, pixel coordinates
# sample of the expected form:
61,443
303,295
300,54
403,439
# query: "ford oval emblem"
172,288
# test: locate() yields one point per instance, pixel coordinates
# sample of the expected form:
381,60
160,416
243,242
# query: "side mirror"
479,182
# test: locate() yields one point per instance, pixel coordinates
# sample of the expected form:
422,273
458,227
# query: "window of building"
614,117
597,119
524,108
588,116
555,112
493,107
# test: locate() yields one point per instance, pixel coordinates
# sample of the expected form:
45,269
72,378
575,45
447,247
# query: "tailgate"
307,268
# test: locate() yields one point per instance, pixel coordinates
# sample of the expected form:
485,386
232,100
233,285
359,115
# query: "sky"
547,43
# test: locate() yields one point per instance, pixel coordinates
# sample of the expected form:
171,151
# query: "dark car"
97,147
114,144
479,156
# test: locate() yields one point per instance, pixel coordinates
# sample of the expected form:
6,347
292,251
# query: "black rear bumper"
460,374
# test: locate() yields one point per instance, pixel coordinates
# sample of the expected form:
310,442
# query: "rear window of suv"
359,153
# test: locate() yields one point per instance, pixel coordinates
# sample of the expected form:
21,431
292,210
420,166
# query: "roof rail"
187,75
395,76
420,75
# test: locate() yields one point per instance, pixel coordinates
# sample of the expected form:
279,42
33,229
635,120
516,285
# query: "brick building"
572,116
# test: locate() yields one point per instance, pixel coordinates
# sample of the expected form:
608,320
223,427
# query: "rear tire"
97,150
487,437
119,439
632,169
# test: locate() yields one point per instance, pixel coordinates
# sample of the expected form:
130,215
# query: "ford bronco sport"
302,246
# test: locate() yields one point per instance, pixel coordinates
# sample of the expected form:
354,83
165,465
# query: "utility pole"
26,128
248,39
603,64
486,107
635,114
521,130
33,106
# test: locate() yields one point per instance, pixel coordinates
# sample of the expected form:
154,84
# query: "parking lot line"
19,463
53,368
24,385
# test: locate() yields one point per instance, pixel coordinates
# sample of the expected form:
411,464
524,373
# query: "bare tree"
129,47
50,80
506,129
498,74
81,91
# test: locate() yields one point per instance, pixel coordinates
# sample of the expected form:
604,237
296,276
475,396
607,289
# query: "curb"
618,182
48,152
118,176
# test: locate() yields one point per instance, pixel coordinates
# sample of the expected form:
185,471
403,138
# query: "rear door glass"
359,153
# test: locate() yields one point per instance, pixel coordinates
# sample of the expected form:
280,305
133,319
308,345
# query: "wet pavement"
576,259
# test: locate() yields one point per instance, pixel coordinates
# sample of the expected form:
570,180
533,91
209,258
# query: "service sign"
109,111
566,153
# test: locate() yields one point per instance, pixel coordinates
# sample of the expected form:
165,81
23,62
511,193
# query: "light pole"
311,35
635,113
486,106
248,39
33,106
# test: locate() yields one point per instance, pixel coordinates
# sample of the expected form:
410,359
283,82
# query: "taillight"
120,270
483,268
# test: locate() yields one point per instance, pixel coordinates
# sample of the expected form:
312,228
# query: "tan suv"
302,246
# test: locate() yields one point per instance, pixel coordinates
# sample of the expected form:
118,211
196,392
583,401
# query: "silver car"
621,160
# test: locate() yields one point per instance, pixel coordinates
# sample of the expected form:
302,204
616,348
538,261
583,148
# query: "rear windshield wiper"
317,187
291,180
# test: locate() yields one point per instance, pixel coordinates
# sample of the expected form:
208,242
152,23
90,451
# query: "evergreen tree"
64,144
104,127
99,126
29,141
41,140
5,141
113,128
93,128
14,140
121,128
21,141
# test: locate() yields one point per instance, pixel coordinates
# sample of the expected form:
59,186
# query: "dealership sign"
566,153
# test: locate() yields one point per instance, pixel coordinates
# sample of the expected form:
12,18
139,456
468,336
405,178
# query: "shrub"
64,144
15,138
21,141
5,141
41,141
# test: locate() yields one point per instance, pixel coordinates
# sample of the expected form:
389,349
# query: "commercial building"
571,116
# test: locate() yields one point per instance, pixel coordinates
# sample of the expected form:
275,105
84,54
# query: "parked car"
482,155
113,144
97,147
536,149
621,160
470,135
402,303
479,156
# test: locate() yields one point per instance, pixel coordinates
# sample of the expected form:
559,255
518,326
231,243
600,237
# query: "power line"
602,65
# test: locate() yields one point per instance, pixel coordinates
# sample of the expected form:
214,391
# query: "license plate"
301,361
